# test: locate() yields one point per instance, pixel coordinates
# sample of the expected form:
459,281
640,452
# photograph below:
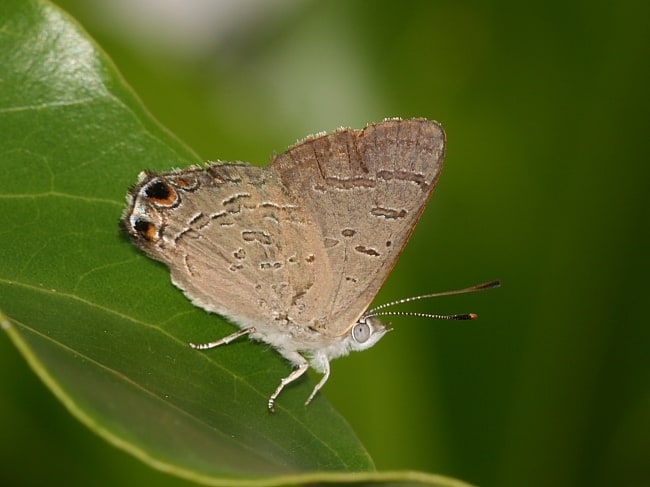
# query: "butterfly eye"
361,332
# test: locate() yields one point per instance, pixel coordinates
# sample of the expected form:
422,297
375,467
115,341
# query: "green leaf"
99,322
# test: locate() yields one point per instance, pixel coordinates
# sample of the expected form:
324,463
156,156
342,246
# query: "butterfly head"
366,332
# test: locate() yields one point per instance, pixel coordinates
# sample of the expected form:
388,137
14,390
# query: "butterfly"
294,253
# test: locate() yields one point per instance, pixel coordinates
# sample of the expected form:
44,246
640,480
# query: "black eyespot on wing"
161,192
145,229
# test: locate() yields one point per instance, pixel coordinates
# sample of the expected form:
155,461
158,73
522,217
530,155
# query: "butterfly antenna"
465,316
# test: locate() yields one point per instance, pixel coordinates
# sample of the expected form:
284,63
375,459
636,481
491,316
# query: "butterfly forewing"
365,190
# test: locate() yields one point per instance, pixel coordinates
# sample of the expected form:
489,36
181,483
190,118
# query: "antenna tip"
489,285
467,316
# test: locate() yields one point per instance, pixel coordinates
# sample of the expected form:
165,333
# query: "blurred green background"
545,187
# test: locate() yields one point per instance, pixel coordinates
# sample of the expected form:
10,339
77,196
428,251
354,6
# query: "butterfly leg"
222,341
303,365
321,383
